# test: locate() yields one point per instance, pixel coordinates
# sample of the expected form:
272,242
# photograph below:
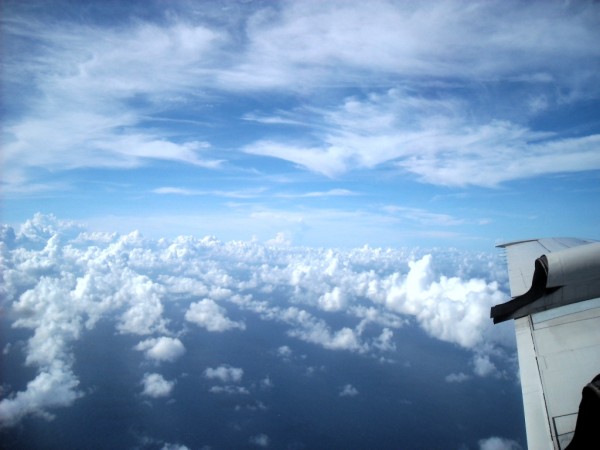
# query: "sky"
336,123
256,224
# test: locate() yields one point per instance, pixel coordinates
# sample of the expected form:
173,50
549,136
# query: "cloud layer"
444,91
59,281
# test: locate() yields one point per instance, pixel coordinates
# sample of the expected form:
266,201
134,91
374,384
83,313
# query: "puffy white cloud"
260,440
208,314
59,285
156,386
224,373
55,386
348,391
162,349
332,301
497,443
450,309
483,367
316,331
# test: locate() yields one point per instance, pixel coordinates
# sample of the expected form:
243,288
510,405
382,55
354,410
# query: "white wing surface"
555,284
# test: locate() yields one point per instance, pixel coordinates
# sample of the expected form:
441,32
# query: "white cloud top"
208,314
59,281
162,349
156,386
53,387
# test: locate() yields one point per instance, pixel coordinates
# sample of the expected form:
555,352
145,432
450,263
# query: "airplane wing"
555,285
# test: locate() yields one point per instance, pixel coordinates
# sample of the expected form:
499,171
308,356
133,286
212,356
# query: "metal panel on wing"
557,325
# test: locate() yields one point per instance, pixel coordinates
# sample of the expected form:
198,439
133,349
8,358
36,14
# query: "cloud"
315,194
156,386
428,38
316,331
240,390
225,374
260,440
384,342
483,367
144,314
169,446
457,377
332,301
59,282
249,193
497,443
90,103
284,351
162,349
450,309
348,391
433,140
94,127
266,383
56,386
208,314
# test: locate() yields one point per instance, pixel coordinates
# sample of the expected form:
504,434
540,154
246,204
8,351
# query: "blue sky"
257,146
326,123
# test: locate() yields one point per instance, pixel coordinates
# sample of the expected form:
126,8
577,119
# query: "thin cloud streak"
87,116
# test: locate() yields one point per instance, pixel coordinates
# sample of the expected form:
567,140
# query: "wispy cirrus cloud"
433,140
247,193
85,93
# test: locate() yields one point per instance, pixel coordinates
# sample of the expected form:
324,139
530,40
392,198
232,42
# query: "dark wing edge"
561,270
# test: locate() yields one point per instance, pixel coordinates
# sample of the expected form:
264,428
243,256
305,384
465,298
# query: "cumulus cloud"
497,443
332,301
162,349
348,391
483,367
224,373
59,282
450,309
156,386
208,314
54,387
310,329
